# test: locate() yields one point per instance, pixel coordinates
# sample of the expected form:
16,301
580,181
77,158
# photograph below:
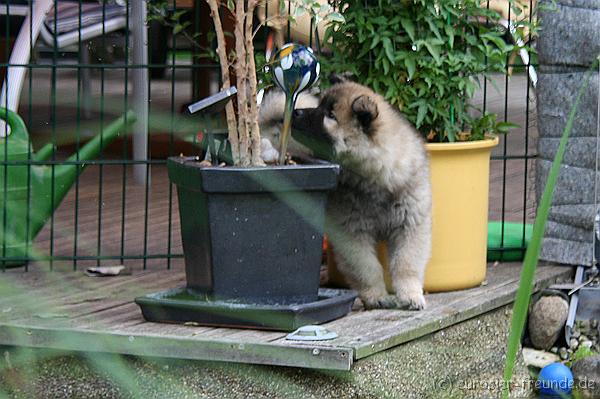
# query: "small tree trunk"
222,53
252,87
240,72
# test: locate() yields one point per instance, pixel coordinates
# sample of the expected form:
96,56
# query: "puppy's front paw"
268,153
414,302
411,296
381,302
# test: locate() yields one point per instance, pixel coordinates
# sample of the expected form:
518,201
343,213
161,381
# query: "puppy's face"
344,123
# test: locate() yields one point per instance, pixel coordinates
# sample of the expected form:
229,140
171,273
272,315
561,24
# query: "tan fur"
384,194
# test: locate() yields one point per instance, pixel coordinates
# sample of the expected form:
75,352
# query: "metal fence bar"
141,88
171,141
5,129
81,50
125,139
29,21
53,119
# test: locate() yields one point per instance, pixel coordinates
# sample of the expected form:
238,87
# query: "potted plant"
251,233
427,58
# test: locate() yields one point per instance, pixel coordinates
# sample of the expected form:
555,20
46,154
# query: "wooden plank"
118,291
369,332
164,345
443,316
116,322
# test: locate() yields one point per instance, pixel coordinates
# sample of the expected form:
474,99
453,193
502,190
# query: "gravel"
463,361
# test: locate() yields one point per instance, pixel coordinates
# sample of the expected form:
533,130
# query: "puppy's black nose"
298,113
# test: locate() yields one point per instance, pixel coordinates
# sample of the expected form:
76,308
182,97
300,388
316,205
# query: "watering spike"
295,69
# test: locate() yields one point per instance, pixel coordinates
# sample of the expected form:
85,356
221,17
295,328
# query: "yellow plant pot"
460,178
460,189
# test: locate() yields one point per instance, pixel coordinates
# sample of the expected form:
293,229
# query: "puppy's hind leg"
409,252
357,261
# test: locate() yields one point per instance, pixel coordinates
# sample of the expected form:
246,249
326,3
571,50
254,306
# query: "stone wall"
568,44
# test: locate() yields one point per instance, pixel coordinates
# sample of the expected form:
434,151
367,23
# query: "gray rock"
586,373
586,344
573,343
563,353
546,321
572,24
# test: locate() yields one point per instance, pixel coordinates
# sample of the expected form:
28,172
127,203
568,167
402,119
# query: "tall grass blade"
521,305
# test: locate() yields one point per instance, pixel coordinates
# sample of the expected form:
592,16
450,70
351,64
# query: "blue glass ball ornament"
555,379
295,68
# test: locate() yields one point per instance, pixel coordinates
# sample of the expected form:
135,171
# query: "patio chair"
60,28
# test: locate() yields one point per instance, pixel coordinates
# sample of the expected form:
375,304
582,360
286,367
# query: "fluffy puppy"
384,192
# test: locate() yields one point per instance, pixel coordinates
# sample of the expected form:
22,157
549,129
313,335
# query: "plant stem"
252,87
222,53
241,76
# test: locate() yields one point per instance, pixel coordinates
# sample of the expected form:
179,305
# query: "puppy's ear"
336,78
365,110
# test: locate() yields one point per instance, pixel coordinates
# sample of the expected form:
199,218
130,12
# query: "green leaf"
434,51
434,29
376,40
177,29
336,17
409,27
450,33
505,127
389,50
421,113
386,65
299,11
410,64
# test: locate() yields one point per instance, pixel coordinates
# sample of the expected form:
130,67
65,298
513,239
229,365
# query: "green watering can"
16,233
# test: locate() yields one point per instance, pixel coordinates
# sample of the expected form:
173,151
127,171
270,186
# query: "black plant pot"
253,235
252,244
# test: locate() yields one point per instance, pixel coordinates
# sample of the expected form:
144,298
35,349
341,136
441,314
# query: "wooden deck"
70,311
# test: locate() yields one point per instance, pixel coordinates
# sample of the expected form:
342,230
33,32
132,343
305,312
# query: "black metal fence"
84,64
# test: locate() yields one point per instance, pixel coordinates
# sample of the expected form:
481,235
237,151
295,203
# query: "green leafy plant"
488,123
426,57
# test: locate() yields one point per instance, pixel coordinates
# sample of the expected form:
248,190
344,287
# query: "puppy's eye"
330,114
